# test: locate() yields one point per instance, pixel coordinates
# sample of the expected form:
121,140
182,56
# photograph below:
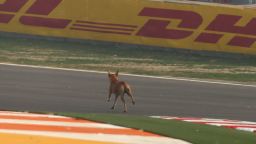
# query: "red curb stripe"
234,126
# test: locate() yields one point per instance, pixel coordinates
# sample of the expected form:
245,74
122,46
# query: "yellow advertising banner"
175,24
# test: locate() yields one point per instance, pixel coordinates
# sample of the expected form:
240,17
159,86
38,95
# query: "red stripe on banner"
209,37
43,7
102,27
109,24
6,18
12,5
100,31
242,41
190,19
45,22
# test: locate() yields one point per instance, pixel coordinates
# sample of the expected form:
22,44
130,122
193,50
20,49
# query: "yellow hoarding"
173,24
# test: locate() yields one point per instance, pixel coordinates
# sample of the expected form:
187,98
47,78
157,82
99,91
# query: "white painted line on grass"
134,75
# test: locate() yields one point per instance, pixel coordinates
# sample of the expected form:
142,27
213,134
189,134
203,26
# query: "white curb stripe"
222,122
247,129
76,129
64,124
126,139
31,115
239,125
232,125
144,76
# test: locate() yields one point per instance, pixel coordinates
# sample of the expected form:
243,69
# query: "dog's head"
113,77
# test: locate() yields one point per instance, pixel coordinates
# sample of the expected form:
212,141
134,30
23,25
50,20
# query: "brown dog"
119,88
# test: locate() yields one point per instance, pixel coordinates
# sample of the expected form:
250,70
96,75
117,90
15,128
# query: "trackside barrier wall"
197,26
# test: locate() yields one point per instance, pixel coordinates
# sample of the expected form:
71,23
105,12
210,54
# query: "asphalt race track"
35,89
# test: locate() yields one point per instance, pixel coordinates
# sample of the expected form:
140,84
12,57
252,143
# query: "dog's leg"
129,93
123,100
109,96
114,105
109,93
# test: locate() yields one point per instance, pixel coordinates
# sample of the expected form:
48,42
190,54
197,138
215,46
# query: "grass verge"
130,59
194,133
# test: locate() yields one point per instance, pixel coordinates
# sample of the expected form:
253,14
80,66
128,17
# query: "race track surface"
34,89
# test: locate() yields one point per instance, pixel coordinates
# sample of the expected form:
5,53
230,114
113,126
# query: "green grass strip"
194,133
132,59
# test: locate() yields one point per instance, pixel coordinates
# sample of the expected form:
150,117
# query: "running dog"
119,88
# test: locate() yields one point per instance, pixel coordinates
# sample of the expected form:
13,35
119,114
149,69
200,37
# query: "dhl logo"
157,25
223,23
39,9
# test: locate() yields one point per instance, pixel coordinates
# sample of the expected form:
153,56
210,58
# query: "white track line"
144,76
